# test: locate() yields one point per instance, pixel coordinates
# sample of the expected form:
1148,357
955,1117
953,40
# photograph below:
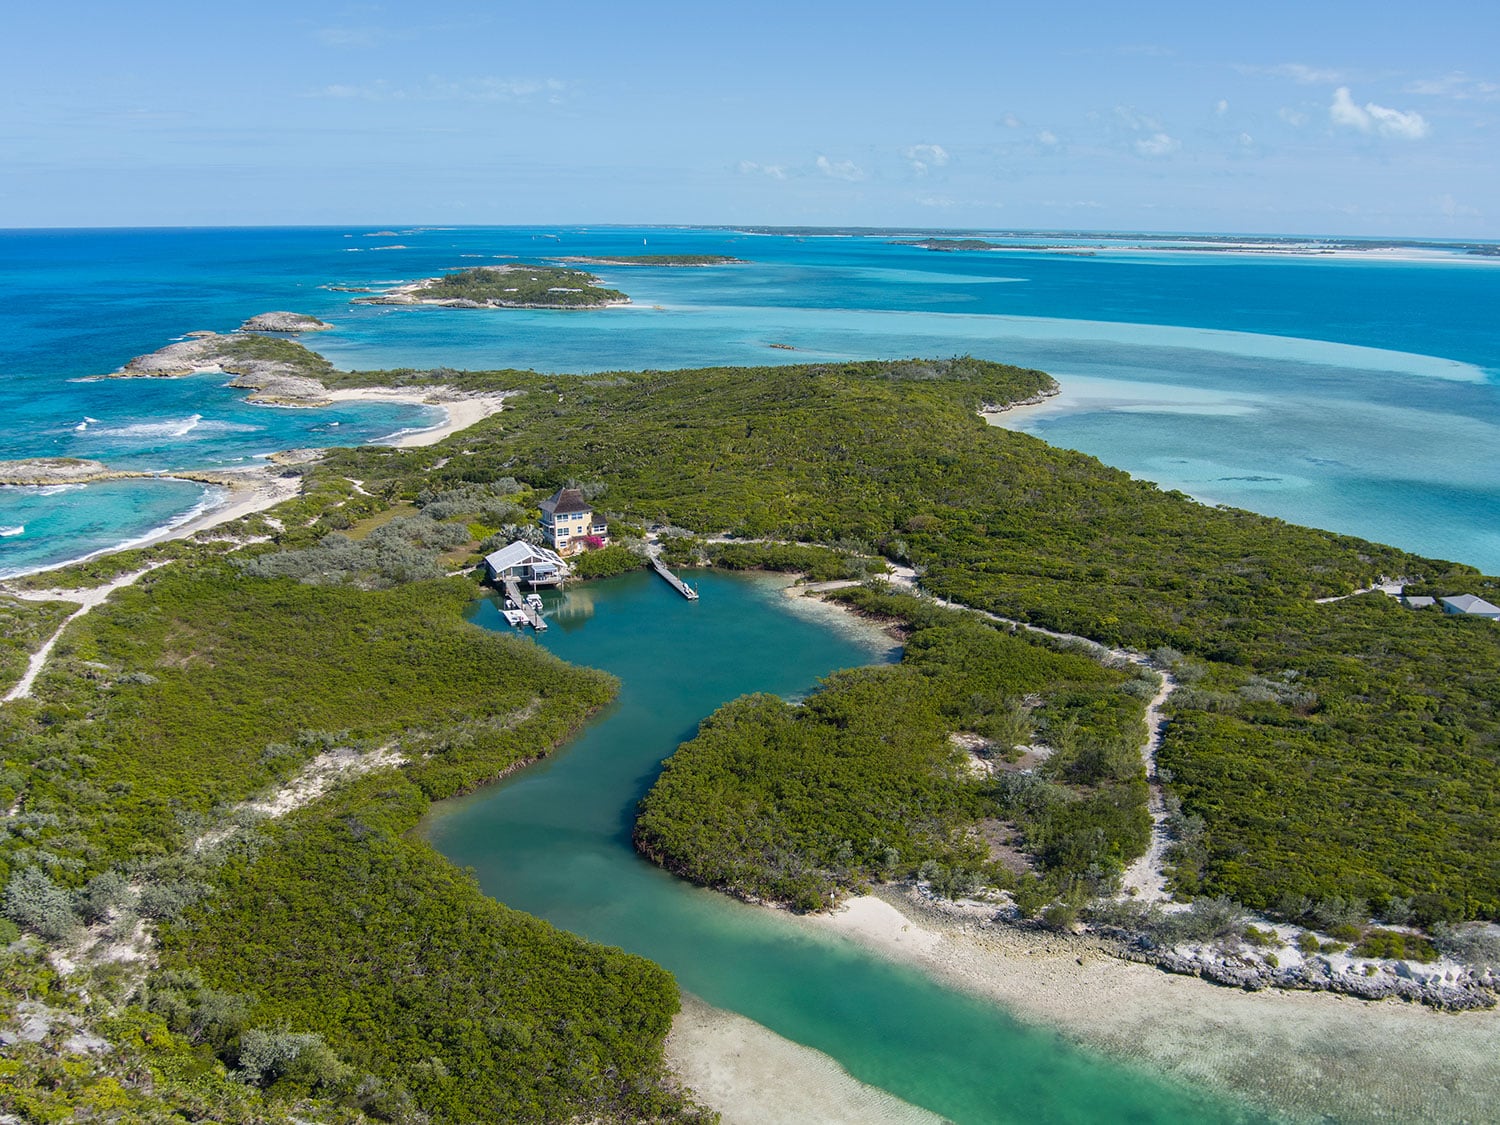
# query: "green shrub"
1396,946
606,562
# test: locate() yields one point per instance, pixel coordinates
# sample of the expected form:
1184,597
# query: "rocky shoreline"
49,471
1460,989
1034,400
1445,986
285,322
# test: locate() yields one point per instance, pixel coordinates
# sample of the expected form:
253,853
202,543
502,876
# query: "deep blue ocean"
1356,393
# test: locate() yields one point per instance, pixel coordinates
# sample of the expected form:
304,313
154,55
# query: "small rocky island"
519,286
288,323
259,354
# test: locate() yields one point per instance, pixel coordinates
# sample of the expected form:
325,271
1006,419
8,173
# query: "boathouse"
528,563
569,523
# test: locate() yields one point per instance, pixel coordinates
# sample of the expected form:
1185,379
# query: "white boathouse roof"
521,553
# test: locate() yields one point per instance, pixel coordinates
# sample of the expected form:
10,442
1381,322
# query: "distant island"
949,245
658,260
520,286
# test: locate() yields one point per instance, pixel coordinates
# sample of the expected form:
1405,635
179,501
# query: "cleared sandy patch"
753,1076
311,782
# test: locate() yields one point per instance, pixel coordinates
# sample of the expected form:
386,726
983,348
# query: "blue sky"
1335,117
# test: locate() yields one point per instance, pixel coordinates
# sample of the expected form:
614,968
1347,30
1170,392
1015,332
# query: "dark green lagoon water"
555,841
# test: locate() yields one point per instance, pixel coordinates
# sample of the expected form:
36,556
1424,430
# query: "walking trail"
87,599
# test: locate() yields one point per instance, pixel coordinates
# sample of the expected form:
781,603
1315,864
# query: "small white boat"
81,426
534,601
514,617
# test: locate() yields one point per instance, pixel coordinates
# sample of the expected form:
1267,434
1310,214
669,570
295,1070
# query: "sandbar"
1297,1053
753,1076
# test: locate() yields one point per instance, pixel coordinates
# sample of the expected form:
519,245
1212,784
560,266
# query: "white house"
567,519
529,563
1471,605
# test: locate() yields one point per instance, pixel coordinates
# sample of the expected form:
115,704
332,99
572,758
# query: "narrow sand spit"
1298,1053
753,1076
258,492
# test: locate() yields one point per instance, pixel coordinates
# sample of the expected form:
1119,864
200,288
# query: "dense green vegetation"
820,564
606,562
291,953
24,628
889,457
148,1073
194,687
433,996
862,782
1352,750
521,285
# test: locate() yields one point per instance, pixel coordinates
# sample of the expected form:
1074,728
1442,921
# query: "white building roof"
1420,601
1468,603
521,553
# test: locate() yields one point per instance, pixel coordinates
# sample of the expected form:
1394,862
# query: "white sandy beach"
1299,1053
463,409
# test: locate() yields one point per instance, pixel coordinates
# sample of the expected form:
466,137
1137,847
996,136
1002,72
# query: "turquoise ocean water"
1358,394
1355,394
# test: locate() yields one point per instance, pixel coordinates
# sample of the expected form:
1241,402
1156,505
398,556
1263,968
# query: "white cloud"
923,157
1297,72
1453,209
1293,117
465,90
936,201
1157,144
1246,139
1371,118
751,168
1048,138
932,154
1458,86
1343,111
1221,107
1137,121
841,170
1011,121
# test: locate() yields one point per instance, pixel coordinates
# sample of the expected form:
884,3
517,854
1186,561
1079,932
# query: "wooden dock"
676,583
518,599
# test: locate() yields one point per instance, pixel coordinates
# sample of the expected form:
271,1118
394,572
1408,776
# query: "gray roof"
566,500
1419,601
1468,603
